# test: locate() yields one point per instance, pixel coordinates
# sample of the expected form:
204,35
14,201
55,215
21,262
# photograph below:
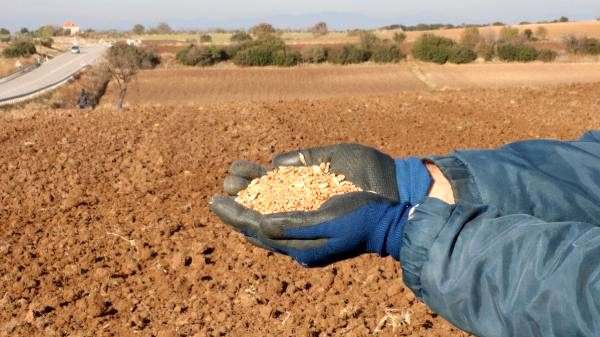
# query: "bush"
149,59
399,37
19,48
240,36
386,53
320,28
316,54
431,48
205,38
350,54
461,54
486,50
541,32
367,39
528,33
470,37
262,29
46,42
520,53
286,57
508,34
563,19
585,45
547,55
268,50
193,55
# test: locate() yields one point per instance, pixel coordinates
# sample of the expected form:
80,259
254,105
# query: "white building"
72,27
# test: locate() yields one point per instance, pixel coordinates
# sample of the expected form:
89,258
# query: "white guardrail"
39,91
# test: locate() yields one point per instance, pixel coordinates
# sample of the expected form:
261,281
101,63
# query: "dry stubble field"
105,227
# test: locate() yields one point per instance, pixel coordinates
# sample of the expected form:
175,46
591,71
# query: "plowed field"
105,229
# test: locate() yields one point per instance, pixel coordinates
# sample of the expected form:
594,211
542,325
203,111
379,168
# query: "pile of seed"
289,188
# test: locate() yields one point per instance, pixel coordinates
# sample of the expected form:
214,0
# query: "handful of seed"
291,188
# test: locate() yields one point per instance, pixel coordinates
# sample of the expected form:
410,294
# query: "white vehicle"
75,49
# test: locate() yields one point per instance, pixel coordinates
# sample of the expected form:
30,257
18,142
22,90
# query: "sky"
344,14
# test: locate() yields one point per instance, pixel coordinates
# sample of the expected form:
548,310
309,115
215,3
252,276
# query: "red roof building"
71,26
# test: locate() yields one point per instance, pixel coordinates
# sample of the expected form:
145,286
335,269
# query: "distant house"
72,27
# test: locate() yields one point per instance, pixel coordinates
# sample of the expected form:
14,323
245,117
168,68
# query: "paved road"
51,72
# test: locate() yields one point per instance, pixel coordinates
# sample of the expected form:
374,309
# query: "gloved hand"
346,225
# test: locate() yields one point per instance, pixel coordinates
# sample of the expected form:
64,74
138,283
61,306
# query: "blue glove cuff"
413,180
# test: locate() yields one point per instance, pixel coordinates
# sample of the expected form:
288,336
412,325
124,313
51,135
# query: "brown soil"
106,232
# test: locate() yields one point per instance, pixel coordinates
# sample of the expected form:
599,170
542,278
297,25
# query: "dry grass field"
222,84
556,31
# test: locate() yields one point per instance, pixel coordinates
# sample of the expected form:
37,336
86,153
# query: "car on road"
75,49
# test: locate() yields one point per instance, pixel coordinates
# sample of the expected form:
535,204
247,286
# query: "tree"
138,29
399,37
541,32
164,28
563,19
24,30
4,31
122,63
470,37
320,28
262,29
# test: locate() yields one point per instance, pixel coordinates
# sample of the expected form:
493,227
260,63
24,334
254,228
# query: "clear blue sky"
122,14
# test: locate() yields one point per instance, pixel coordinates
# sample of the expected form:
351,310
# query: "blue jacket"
519,253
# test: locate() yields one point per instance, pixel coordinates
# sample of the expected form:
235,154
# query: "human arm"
512,275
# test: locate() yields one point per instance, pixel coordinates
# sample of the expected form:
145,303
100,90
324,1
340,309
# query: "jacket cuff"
425,222
462,181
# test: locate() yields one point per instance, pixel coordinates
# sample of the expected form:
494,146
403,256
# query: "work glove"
346,225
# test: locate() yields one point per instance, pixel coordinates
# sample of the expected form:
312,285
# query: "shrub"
528,33
541,32
585,45
563,19
149,59
367,39
461,54
193,55
320,28
20,48
262,29
520,53
350,54
316,54
268,50
508,34
138,29
470,37
431,48
547,55
486,49
386,53
399,37
205,38
46,42
286,57
240,36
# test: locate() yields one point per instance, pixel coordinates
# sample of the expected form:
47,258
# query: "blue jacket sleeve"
512,275
590,136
